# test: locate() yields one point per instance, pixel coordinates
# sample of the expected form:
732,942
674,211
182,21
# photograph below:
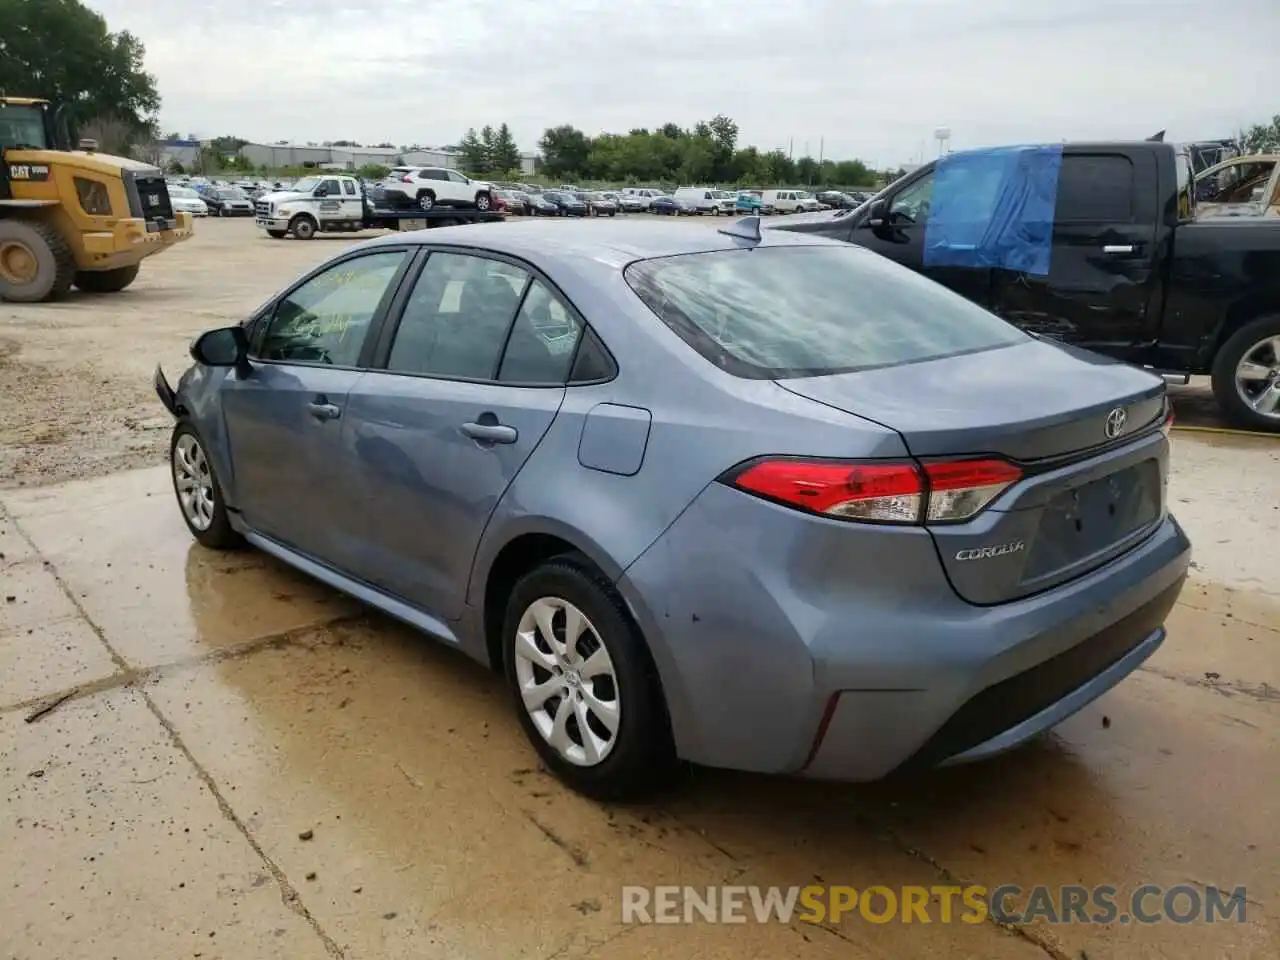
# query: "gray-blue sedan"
774,504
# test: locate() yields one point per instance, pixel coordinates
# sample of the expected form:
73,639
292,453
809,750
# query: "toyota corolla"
773,504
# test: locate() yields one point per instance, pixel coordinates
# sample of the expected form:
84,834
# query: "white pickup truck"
314,204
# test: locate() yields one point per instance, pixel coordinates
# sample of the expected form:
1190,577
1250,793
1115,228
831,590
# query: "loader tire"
35,262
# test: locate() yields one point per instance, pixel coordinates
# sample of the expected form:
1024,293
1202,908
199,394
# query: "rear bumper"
814,656
131,240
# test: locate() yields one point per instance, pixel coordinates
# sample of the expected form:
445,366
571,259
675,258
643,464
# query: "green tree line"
708,152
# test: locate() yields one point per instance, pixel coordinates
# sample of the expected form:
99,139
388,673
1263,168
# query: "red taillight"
941,492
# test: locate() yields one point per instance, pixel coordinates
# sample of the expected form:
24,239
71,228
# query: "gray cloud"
872,77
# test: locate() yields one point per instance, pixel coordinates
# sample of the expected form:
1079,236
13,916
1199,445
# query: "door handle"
490,432
324,411
1114,248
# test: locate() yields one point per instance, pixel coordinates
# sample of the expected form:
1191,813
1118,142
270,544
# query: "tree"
62,51
373,171
1261,137
565,150
505,154
475,158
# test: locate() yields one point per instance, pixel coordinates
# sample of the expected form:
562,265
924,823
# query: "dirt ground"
208,755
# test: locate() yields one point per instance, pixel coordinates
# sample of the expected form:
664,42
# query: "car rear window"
774,312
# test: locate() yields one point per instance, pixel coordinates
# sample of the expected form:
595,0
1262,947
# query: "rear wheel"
583,683
1246,375
35,262
483,200
426,200
303,227
106,281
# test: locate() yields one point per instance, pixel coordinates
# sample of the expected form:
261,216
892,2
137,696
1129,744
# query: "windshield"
306,185
183,193
231,193
777,312
22,126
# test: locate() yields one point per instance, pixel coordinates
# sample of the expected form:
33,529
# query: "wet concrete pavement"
223,707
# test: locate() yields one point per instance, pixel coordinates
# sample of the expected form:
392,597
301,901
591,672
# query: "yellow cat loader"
73,216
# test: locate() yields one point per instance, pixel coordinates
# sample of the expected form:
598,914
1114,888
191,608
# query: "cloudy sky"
874,78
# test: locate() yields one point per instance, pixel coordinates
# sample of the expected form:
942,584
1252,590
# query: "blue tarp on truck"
994,209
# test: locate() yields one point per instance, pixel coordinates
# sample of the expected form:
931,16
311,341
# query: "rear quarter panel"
1224,272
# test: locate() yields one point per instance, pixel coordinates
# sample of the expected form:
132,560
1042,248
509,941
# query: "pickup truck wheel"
106,281
1246,375
35,262
303,227
483,200
426,200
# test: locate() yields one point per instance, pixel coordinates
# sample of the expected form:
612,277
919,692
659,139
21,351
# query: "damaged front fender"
166,393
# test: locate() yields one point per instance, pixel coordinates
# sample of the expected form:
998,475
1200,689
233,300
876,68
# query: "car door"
284,414
1102,268
352,204
899,234
473,376
459,188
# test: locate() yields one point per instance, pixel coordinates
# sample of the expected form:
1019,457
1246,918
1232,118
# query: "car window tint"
809,311
325,319
1095,188
333,187
911,205
457,317
543,338
348,188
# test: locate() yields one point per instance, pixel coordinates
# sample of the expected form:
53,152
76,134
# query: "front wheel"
196,486
106,281
303,227
583,683
1246,375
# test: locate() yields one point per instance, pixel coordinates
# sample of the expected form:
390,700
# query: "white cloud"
872,77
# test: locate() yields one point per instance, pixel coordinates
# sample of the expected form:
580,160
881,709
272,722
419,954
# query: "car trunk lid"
1088,493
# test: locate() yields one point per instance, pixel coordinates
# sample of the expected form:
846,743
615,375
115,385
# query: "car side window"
456,320
456,177
333,187
325,319
911,205
348,188
1095,189
543,339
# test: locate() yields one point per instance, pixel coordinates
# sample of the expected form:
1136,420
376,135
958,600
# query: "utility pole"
791,148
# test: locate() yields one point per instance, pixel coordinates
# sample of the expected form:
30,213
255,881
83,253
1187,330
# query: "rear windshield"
775,312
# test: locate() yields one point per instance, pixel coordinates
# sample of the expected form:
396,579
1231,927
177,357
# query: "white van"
707,200
791,201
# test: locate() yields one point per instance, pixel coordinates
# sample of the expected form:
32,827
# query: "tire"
715,211
639,756
483,200
36,264
426,200
303,227
277,234
613,213
205,514
106,281
1250,341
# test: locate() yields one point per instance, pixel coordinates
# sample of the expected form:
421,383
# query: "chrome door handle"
1118,248
490,432
324,411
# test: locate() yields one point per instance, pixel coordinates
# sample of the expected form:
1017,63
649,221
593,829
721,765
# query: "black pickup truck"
1126,268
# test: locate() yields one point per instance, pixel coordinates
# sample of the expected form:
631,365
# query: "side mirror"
224,347
876,213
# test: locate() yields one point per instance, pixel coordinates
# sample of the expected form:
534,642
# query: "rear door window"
1095,188
811,310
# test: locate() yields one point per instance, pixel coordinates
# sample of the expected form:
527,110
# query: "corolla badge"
1115,423
987,553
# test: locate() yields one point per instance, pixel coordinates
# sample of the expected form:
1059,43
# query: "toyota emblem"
1115,423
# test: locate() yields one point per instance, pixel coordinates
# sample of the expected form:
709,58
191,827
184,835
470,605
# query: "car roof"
541,242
